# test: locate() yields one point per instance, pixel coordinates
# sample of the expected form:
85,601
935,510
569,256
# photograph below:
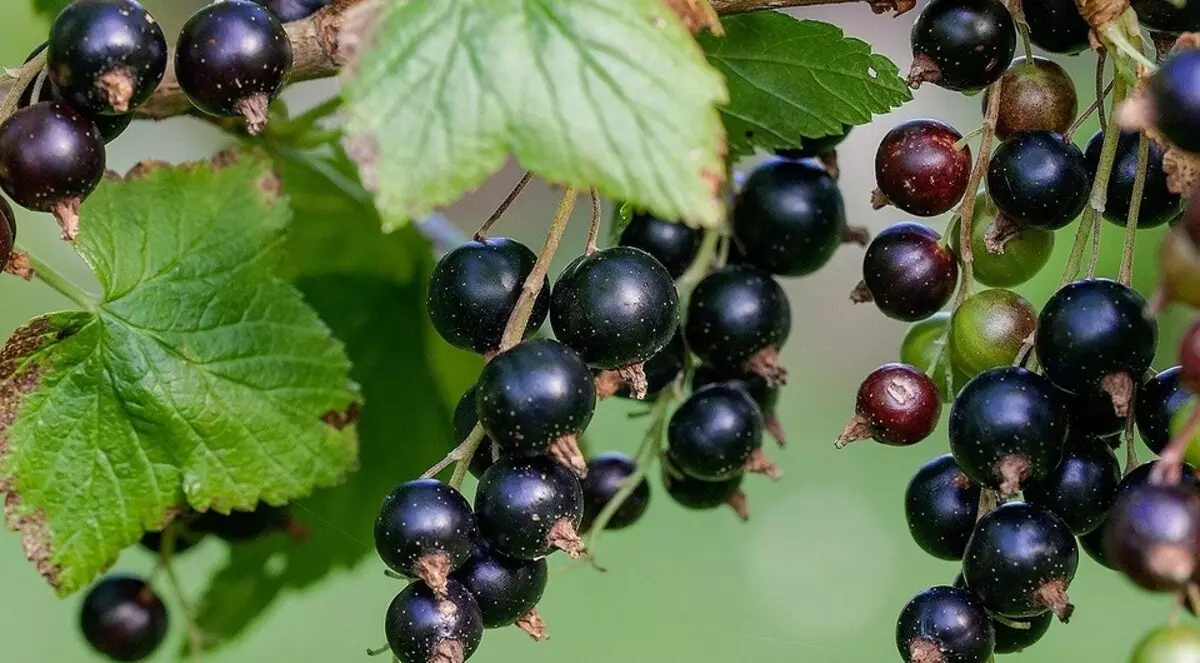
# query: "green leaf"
200,378
607,93
790,79
50,8
410,380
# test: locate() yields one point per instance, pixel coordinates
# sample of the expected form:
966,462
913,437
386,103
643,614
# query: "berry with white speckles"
529,507
717,434
738,318
425,627
425,530
940,506
920,169
945,625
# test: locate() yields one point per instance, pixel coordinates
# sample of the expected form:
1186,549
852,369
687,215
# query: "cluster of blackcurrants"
104,59
125,620
1047,436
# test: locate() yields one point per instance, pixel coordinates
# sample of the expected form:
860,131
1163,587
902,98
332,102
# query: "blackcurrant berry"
700,495
816,147
1021,560
1038,179
789,217
1093,544
466,415
897,405
1095,334
423,626
1158,400
1177,643
293,10
941,504
924,345
661,371
988,329
738,318
1175,95
765,395
675,245
1158,206
242,526
474,287
920,169
106,56
537,398
1013,639
506,589
716,434
616,307
908,272
425,530
1140,476
1152,534
607,473
1083,486
109,126
185,539
1091,413
1166,16
527,508
945,625
962,44
232,58
1008,426
1057,26
51,158
1035,95
1006,254
123,618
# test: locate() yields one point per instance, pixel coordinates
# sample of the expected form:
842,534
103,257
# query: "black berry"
425,627
466,415
716,434
1021,560
661,370
763,393
1038,179
425,530
1011,639
1093,544
738,318
1165,16
1152,535
1176,99
242,526
106,56
1035,95
816,147
1083,486
1157,402
1091,413
940,505
1158,206
123,618
789,217
8,232
506,589
908,272
700,495
897,405
675,245
962,44
474,288
232,58
945,625
109,126
607,473
1057,26
527,508
1008,426
186,538
293,10
920,169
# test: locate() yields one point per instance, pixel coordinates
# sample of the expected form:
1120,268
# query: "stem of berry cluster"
593,235
1125,276
1018,13
1101,58
503,207
48,275
966,209
195,634
706,257
24,77
1102,93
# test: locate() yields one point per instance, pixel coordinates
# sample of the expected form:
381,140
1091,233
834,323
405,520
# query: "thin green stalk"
195,634
48,275
1125,276
705,257
305,121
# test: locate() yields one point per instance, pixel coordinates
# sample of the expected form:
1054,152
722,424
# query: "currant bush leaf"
607,93
198,379
790,79
410,380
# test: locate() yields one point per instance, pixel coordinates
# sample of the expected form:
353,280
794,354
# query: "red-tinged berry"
123,619
423,626
920,168
1035,95
425,530
962,44
897,405
908,272
940,506
925,346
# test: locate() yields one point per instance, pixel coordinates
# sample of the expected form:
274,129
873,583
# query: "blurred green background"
819,573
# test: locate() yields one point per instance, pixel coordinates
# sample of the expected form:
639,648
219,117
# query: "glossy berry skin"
1152,535
923,344
1020,561
50,155
674,245
989,328
788,217
1175,93
940,505
1036,95
535,393
520,501
1164,16
946,619
700,495
466,415
910,274
1091,413
1083,486
109,126
1093,329
1092,543
419,622
474,287
735,313
662,369
606,475
123,619
1179,643
714,433
1158,400
1038,179
616,307
293,10
1158,206
421,520
506,589
1010,640
106,56
1025,253
230,55
764,395
1007,426
243,526
919,169
1057,26
962,44
899,404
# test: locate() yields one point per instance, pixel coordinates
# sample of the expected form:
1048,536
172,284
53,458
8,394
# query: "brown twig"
507,202
966,210
593,235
